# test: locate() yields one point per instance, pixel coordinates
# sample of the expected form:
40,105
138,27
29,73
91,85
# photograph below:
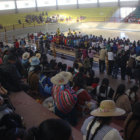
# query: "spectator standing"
110,55
16,44
91,53
102,56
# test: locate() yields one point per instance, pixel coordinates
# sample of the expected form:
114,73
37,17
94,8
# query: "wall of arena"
107,4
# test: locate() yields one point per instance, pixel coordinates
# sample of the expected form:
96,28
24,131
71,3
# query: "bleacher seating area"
133,17
91,14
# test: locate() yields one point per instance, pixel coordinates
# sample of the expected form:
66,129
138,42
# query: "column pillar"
98,3
36,6
119,4
77,4
16,9
57,5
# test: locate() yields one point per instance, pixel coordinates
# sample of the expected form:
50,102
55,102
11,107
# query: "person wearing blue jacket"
45,85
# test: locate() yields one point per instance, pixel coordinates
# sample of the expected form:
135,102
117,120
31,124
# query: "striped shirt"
63,98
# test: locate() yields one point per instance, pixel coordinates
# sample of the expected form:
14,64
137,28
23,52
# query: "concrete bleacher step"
33,112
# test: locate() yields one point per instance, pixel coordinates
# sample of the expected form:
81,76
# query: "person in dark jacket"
124,59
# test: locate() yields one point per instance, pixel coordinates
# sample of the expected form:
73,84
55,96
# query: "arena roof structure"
19,5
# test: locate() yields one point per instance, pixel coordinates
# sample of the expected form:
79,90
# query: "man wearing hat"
64,99
97,126
25,58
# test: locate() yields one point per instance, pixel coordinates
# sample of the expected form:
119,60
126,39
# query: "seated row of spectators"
72,91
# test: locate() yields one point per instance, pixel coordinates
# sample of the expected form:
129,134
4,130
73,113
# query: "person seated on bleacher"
10,75
132,124
122,100
51,129
33,80
34,61
4,109
103,91
5,55
45,85
97,127
25,60
82,95
132,94
11,127
64,98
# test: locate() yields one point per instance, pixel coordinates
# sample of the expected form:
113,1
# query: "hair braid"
128,123
91,125
134,130
98,128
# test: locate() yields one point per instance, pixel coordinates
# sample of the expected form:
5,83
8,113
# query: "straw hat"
25,56
67,75
107,109
59,79
38,55
138,58
34,61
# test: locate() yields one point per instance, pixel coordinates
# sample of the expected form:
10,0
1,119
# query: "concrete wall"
108,4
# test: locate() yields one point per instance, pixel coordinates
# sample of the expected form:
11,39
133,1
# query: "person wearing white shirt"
110,55
126,48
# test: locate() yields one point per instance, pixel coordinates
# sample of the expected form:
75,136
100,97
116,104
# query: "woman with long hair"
97,127
82,95
121,99
132,124
132,94
103,91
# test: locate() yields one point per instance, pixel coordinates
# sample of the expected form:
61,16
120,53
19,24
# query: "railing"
24,25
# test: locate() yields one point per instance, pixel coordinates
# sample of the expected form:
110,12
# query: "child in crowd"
96,81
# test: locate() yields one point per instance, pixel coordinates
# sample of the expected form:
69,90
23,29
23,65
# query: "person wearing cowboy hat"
25,57
97,127
38,55
34,61
64,99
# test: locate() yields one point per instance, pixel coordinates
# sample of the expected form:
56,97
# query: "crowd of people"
132,19
71,92
44,18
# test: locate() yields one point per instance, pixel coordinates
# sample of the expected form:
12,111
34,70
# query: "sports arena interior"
69,69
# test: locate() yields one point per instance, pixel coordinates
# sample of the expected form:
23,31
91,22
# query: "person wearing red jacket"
82,95
16,44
